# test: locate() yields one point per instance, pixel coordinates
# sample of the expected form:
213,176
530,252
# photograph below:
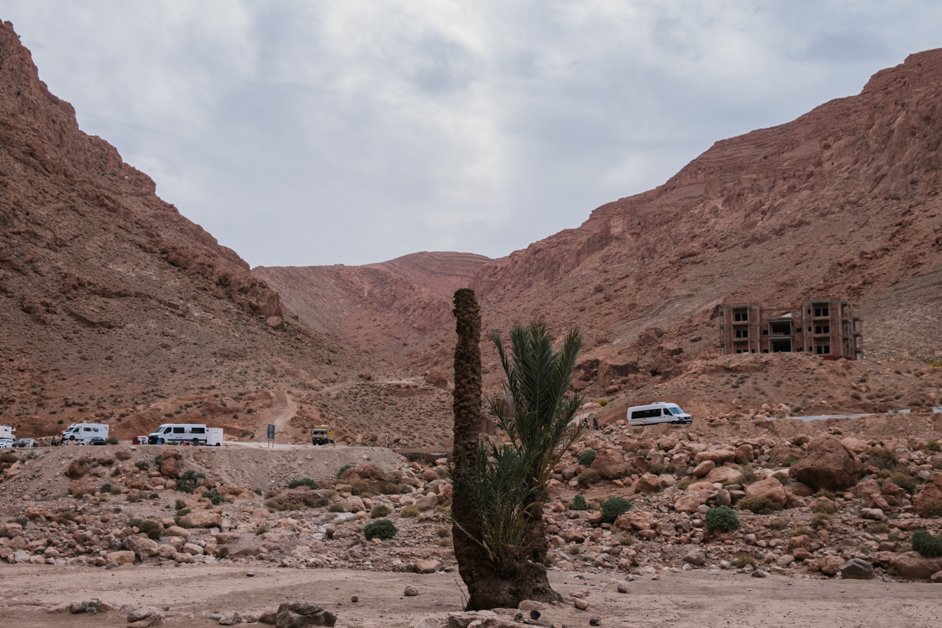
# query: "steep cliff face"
110,300
387,309
843,201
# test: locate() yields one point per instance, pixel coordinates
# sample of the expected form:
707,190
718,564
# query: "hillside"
386,309
843,202
116,308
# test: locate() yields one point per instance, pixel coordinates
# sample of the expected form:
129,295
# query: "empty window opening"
821,310
822,329
780,328
740,316
781,345
741,333
822,349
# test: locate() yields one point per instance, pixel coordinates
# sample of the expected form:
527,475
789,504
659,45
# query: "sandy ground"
673,599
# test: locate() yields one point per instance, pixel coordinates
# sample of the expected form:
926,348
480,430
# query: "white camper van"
657,412
192,433
84,433
7,431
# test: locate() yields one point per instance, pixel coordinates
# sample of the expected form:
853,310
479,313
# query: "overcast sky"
323,132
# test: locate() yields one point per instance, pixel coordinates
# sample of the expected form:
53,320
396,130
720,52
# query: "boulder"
204,519
830,565
426,502
857,569
703,468
725,475
770,489
928,501
142,546
717,456
610,464
302,614
912,566
122,557
692,500
826,464
647,483
636,520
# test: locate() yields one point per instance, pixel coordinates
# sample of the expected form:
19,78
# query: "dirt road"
692,599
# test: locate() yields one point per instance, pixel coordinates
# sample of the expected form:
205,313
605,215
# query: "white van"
657,412
7,431
84,433
192,433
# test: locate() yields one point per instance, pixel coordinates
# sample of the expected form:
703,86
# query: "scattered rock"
857,569
302,614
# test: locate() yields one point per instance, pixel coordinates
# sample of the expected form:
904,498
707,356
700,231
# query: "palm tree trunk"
487,588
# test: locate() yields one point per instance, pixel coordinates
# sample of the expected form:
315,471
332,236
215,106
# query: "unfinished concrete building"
821,327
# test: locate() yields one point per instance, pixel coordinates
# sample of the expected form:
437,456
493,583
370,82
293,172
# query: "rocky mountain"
842,202
387,308
116,308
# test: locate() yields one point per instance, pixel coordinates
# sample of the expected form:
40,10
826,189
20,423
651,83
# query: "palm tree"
500,489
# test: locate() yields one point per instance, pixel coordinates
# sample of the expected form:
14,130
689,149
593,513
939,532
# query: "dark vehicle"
97,440
26,443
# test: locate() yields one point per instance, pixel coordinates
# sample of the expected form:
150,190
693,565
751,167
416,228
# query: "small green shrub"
613,507
214,496
142,465
153,529
905,481
820,520
106,488
759,505
587,457
179,504
825,507
603,402
380,529
308,482
722,519
261,529
927,544
112,440
579,503
409,512
743,558
933,445
337,507
882,458
341,470
379,510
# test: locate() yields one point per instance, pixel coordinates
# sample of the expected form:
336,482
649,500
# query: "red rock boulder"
826,464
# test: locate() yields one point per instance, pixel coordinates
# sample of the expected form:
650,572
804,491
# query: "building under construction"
822,327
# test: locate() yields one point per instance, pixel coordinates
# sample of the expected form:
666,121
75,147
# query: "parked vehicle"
192,433
96,440
322,435
26,443
214,436
657,412
82,433
6,443
7,431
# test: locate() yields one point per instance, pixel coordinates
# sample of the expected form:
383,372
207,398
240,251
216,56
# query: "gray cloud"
356,131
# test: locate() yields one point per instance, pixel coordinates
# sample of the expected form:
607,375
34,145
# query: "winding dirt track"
692,599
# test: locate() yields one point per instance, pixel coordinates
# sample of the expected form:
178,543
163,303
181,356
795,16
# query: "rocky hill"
841,202
387,308
116,308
